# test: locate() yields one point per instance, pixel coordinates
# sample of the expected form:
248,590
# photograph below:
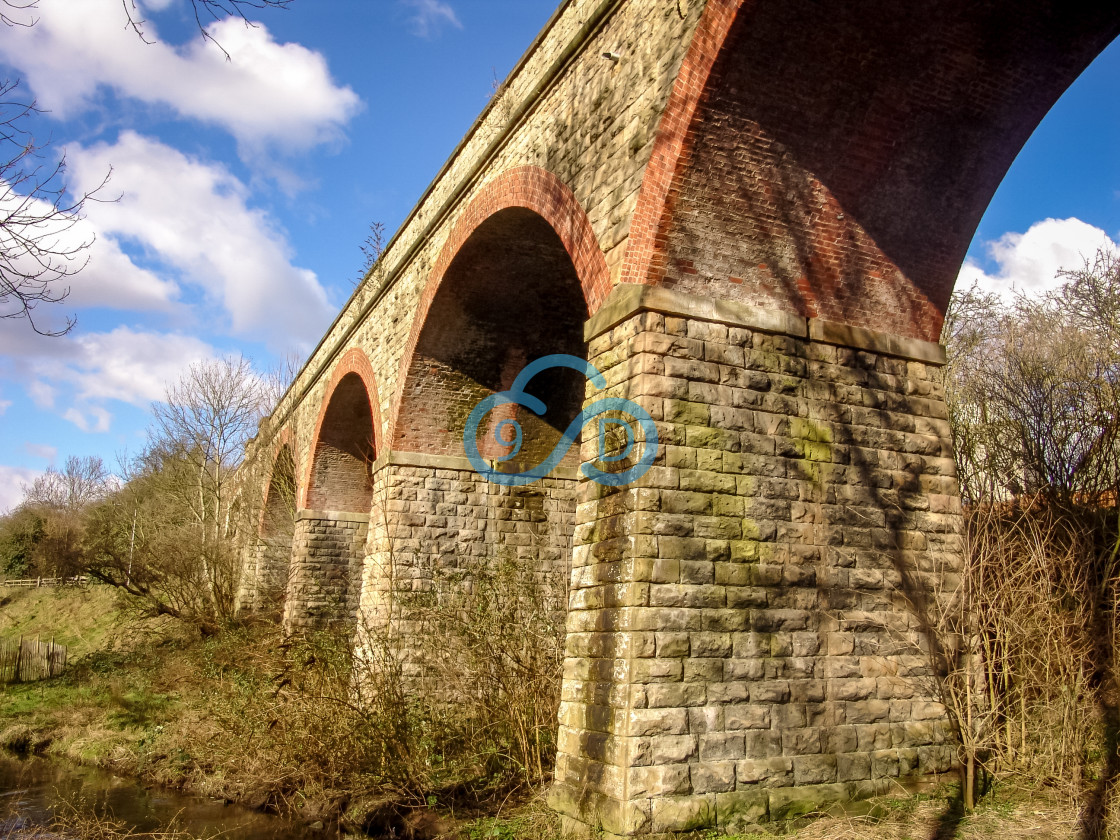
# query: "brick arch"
283,439
644,261
805,164
531,188
353,362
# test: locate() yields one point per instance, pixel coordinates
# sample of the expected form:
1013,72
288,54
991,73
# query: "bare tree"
1033,386
204,11
1033,390
167,536
204,424
279,377
40,245
80,482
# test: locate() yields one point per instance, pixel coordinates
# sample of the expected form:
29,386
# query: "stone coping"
336,515
831,332
626,299
399,458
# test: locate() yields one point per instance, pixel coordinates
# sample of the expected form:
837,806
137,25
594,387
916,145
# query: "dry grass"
84,618
1028,637
941,818
1009,812
277,724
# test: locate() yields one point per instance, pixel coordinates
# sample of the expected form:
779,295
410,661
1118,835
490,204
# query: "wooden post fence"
30,659
77,580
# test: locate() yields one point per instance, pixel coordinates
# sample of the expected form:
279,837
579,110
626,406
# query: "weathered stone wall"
435,520
324,585
752,614
247,587
264,577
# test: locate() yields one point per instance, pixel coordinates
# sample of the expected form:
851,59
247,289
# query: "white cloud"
267,95
123,364
429,15
12,482
1029,262
41,450
111,279
42,394
194,217
97,421
105,275
5,405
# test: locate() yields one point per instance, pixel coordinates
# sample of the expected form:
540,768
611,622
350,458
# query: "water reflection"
33,790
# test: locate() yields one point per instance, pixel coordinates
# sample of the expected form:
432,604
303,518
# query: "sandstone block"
712,776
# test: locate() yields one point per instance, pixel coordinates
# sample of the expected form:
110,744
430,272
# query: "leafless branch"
39,248
205,11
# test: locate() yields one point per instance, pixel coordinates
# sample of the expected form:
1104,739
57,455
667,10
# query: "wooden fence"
42,581
30,659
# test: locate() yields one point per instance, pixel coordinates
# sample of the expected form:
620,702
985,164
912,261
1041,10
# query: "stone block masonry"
265,574
324,584
748,625
435,521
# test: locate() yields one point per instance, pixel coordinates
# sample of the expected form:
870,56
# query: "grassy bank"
85,619
244,717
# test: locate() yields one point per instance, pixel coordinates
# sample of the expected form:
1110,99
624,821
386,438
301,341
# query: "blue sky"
247,187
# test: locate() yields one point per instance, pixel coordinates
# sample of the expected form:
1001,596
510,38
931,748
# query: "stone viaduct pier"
748,215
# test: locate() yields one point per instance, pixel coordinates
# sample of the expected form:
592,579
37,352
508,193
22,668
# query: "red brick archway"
832,161
530,188
355,374
645,257
283,441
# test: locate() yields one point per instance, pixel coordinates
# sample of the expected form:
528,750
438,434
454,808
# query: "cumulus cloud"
12,482
102,274
1029,262
4,406
194,217
428,15
111,279
267,95
123,364
94,419
42,394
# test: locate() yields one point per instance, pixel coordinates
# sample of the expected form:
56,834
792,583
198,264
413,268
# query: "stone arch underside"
344,451
277,530
840,156
510,296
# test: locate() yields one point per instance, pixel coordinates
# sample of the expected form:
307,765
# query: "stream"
33,789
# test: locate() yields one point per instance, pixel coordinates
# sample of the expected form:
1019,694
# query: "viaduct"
748,215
